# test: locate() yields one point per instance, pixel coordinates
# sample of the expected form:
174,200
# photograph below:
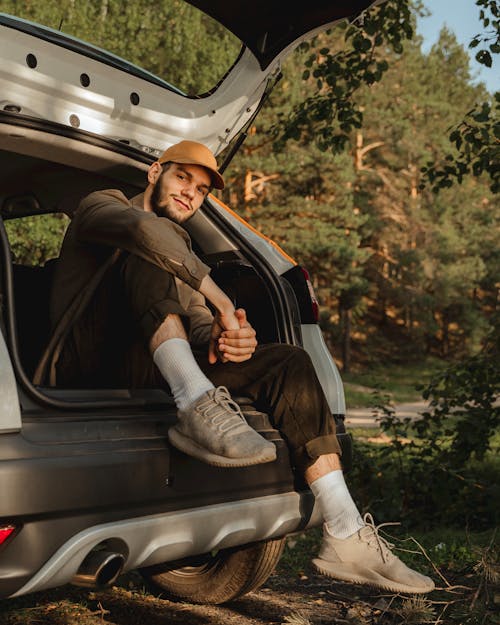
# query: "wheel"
218,577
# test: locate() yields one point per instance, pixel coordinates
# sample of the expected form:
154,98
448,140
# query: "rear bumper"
149,540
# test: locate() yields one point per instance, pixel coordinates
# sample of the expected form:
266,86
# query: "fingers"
237,350
238,342
238,338
245,330
224,352
241,315
227,357
215,333
232,345
212,355
226,349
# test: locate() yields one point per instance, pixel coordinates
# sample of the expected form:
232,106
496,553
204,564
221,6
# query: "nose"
188,190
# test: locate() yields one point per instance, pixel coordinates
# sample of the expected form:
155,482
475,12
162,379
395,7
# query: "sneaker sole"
350,574
191,448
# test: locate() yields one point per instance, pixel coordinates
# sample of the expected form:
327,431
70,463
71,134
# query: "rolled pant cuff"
321,446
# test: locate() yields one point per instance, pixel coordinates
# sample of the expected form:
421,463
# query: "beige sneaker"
366,558
215,431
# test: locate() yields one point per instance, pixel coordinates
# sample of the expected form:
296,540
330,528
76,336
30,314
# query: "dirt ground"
305,600
293,595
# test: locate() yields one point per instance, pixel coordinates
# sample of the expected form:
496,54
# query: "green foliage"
34,240
329,114
394,380
476,140
417,271
465,413
489,14
477,137
429,270
443,468
308,210
408,481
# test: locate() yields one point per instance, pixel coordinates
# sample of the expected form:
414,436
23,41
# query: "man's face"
179,191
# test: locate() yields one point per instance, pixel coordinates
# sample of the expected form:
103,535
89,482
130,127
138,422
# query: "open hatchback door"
51,76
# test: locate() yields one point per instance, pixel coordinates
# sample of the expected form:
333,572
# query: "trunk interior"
31,185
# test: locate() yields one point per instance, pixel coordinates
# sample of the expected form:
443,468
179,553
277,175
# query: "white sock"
341,516
178,366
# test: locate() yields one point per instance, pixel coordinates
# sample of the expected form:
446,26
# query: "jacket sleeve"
107,218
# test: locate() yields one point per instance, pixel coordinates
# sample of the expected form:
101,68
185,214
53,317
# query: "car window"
35,239
171,39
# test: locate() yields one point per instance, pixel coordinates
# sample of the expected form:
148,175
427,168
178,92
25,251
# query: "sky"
462,18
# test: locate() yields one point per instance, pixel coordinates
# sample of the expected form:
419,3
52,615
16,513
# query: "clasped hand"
229,343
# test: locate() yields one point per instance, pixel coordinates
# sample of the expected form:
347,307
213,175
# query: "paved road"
363,417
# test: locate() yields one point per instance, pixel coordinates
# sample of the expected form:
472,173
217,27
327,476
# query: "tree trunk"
446,335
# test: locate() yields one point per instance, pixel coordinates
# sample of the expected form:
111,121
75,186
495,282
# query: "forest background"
400,271
376,166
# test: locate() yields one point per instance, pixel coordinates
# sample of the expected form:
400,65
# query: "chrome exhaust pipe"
99,569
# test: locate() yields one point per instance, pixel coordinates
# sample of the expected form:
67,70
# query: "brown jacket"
105,223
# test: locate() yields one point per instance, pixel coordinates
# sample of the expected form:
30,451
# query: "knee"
293,355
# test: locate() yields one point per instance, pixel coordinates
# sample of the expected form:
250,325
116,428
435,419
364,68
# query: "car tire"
218,577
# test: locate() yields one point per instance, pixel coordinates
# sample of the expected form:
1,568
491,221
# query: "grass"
452,550
396,380
464,565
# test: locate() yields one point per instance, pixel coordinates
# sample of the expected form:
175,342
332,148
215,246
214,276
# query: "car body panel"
150,540
41,71
67,473
52,91
270,29
326,369
270,250
10,414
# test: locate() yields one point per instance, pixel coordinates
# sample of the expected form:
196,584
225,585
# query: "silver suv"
89,486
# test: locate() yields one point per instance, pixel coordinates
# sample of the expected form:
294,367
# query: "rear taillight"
299,280
5,532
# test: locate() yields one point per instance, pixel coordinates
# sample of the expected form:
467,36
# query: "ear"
154,172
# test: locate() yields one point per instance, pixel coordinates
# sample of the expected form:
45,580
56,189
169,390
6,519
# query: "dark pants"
108,348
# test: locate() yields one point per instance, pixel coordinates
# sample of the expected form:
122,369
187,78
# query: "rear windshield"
169,38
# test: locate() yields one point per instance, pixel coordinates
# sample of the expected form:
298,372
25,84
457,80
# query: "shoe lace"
222,410
373,537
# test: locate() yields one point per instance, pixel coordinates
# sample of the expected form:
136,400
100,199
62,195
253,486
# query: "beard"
163,209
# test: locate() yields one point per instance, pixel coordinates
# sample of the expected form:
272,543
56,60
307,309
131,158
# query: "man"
128,308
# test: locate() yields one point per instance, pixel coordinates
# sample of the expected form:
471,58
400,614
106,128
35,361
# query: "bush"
443,468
